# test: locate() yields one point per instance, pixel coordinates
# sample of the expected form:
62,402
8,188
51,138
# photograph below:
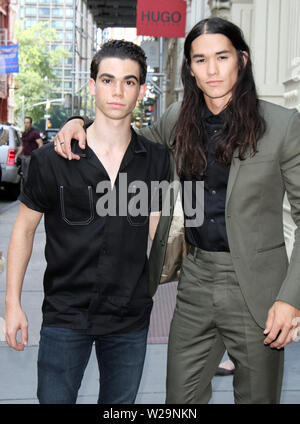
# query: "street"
5,202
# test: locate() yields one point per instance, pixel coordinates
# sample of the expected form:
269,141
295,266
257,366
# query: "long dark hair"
243,124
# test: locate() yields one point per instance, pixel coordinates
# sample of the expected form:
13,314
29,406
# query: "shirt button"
212,221
215,131
104,251
213,192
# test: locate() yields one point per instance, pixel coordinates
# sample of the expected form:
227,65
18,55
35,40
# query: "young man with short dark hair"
96,281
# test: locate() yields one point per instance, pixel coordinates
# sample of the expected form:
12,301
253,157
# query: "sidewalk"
18,369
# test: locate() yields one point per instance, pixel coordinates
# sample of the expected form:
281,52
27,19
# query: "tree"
36,79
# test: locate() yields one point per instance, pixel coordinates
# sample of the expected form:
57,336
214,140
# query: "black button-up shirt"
212,235
97,267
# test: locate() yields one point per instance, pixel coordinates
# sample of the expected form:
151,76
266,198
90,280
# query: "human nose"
212,67
118,89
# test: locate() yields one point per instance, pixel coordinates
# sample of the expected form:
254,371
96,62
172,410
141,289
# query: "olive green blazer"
254,211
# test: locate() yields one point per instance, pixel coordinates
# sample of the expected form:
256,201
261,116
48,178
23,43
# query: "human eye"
200,60
221,58
106,81
130,83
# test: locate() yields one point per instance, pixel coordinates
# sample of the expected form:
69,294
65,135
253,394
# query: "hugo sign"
161,18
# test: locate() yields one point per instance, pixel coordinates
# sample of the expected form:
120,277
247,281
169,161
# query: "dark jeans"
63,357
25,162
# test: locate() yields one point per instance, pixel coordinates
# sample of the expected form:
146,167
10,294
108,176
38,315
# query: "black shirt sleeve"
34,191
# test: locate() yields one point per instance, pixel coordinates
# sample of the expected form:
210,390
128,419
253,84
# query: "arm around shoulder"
163,130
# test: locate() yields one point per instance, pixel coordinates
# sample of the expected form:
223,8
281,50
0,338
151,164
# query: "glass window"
58,24
69,13
57,1
58,12
44,1
58,72
68,47
60,35
69,24
21,12
68,84
30,11
68,72
30,22
17,138
46,23
29,1
44,11
69,2
68,61
58,86
68,36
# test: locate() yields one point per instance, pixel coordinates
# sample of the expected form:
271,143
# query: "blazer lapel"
233,172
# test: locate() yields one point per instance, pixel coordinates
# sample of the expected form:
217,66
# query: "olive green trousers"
211,316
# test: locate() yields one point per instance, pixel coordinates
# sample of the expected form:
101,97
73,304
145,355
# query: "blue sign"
9,59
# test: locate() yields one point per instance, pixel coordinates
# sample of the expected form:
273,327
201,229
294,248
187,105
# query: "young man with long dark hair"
237,290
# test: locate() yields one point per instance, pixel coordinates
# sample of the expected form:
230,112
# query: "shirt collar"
135,145
211,118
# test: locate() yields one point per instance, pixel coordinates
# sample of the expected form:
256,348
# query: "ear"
142,92
92,86
245,57
189,68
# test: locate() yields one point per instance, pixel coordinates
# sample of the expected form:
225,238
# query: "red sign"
161,18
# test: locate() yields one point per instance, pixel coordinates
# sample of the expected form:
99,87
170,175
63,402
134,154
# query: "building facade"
8,11
77,34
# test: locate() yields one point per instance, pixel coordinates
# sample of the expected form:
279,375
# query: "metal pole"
46,105
160,71
74,55
162,80
23,109
86,55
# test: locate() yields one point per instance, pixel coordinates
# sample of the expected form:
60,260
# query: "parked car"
9,143
50,134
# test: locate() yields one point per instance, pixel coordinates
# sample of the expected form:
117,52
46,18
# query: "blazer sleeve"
162,131
290,168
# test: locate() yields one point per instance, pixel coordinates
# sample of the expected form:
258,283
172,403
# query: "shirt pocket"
77,205
137,215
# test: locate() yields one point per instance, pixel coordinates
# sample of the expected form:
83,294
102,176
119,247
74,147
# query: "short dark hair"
120,49
28,117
